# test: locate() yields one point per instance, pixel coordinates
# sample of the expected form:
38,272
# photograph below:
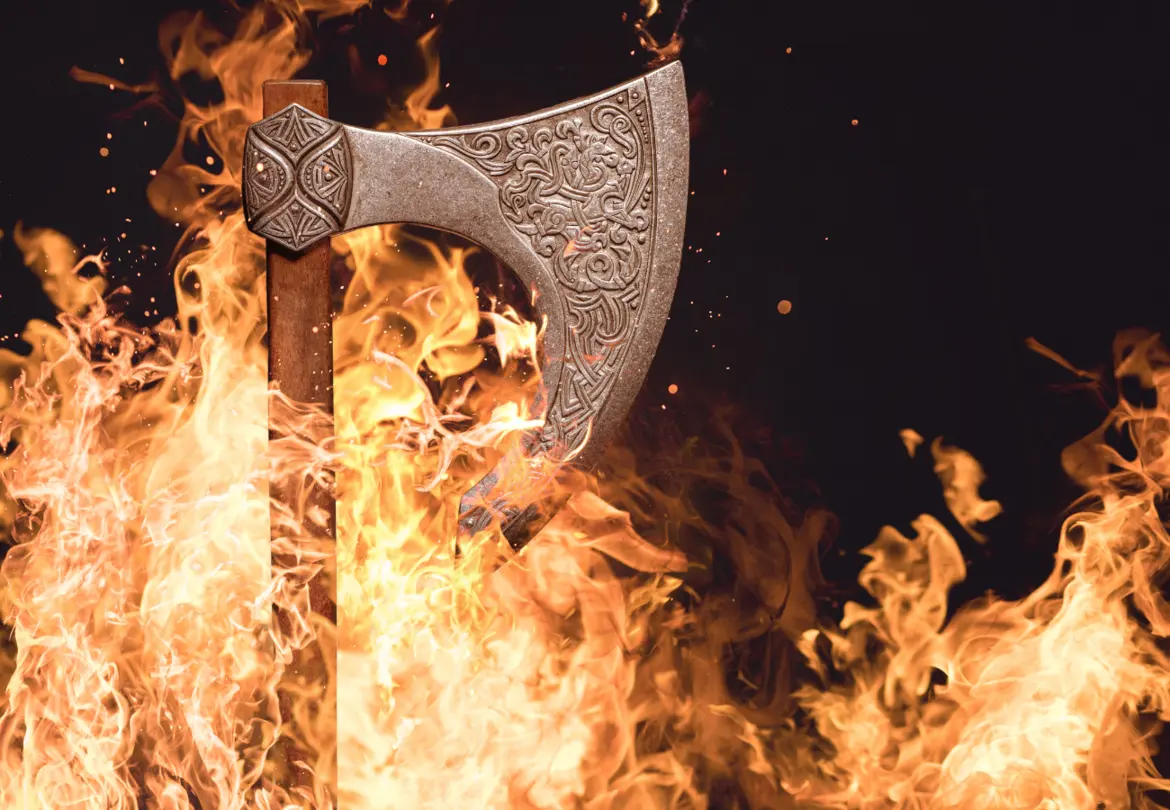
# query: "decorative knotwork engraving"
580,185
298,177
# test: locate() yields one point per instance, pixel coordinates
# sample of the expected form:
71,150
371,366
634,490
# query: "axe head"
585,202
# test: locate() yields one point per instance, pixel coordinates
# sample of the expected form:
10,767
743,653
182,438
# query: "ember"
165,656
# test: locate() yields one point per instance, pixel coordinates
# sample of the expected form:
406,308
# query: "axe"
585,202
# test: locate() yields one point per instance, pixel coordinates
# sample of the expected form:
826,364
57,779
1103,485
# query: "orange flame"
1047,702
663,51
166,656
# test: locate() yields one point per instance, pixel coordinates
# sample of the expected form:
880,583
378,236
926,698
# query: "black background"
1007,178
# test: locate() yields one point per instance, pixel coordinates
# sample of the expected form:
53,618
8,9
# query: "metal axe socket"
585,202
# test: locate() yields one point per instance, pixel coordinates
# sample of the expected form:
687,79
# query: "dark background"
1006,178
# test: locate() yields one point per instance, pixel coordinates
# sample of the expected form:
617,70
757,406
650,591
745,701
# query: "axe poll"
585,202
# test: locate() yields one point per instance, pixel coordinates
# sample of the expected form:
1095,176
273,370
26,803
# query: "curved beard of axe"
519,492
145,665
585,201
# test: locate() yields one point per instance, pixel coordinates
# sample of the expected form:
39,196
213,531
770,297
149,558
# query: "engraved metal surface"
297,178
586,202
579,187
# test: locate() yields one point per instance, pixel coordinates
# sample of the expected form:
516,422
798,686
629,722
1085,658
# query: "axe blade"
585,202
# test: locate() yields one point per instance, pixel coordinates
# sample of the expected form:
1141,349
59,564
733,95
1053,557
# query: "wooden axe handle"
300,328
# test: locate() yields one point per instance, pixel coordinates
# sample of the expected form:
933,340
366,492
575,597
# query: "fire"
1051,701
165,656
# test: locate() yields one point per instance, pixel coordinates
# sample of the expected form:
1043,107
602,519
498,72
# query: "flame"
154,634
657,646
962,476
664,51
1051,701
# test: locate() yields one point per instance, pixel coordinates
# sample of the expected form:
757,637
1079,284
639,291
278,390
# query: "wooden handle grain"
300,346
300,330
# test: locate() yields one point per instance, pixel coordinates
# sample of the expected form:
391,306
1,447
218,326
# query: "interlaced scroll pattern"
580,186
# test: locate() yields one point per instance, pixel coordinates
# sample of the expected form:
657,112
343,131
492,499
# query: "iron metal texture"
586,202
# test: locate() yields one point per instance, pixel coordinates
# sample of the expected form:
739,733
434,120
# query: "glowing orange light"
141,593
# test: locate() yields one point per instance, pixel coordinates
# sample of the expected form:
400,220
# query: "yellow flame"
141,589
961,477
165,655
53,257
1045,702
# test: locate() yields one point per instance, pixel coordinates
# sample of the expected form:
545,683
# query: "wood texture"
300,355
300,330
